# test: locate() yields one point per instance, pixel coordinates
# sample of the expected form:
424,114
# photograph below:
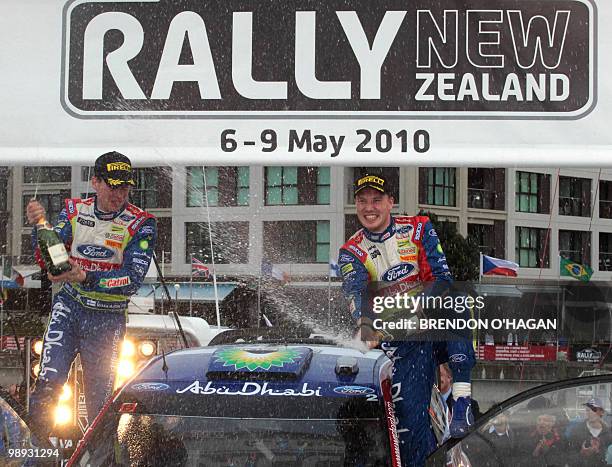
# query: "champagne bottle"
52,248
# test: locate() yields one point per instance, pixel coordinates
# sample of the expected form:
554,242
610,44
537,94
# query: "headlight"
128,349
62,414
146,348
35,369
37,345
66,394
125,369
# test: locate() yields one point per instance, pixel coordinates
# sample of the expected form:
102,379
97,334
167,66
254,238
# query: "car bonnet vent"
347,366
259,363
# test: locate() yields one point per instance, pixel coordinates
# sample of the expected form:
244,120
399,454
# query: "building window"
86,173
532,192
4,182
323,185
297,185
47,175
575,246
296,241
225,186
605,251
351,225
605,199
437,186
574,196
529,247
230,242
163,246
390,174
153,188
484,236
52,202
486,188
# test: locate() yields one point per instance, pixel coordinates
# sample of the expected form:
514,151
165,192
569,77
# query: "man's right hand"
34,212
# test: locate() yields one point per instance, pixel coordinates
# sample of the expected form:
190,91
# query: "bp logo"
254,359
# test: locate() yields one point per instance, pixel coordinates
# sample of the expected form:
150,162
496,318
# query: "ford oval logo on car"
95,251
398,272
150,387
353,390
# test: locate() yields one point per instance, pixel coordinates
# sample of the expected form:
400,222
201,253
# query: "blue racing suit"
408,251
115,250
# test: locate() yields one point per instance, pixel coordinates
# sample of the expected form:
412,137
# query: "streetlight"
177,287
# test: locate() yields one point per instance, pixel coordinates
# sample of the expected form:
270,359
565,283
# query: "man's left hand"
76,274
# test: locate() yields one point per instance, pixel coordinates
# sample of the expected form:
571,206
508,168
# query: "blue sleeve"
434,254
63,229
137,257
354,283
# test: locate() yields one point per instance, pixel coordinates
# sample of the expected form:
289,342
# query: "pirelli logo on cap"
118,166
371,179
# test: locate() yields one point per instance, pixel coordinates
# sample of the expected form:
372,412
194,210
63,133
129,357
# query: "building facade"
297,217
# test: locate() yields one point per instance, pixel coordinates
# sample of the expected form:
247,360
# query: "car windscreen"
345,431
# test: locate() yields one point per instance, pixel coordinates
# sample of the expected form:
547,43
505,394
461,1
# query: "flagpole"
328,295
480,267
259,298
212,253
2,306
163,275
191,287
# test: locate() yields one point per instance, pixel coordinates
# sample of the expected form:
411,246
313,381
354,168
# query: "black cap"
377,182
115,169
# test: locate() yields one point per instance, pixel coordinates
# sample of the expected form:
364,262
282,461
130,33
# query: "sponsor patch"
117,228
140,261
457,358
346,259
353,390
439,249
406,258
358,251
116,282
433,233
113,243
95,251
398,272
150,387
417,234
143,244
373,252
385,236
147,230
346,268
407,250
70,206
403,232
114,236
250,388
61,225
86,222
126,217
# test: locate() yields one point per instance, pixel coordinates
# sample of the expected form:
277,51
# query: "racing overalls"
115,250
407,251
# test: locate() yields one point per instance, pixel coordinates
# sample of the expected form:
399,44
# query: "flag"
198,268
267,321
498,267
575,270
334,269
268,269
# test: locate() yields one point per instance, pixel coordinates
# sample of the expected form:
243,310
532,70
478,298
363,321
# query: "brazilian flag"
575,270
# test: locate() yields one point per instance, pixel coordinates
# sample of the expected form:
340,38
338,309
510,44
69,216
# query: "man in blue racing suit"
110,243
404,250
